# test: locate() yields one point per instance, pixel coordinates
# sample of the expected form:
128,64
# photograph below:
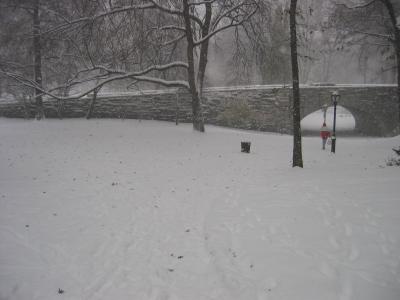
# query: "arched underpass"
374,107
345,121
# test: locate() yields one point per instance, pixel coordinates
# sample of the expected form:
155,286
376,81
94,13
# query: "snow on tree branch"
361,5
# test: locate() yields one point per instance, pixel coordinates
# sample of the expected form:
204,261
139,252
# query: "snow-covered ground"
110,209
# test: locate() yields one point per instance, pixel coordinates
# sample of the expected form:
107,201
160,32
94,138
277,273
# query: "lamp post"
335,98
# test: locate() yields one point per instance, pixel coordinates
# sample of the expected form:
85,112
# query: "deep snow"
110,209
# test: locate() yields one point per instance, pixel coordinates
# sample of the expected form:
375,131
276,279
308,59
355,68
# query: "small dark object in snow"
251,266
114,183
55,214
60,291
27,226
187,230
232,252
170,270
180,256
245,146
393,162
172,255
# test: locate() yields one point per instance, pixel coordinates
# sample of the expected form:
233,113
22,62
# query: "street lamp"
335,98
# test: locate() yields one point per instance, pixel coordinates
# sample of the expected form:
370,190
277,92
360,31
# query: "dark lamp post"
335,98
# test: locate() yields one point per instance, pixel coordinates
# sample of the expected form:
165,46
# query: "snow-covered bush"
237,115
394,161
240,115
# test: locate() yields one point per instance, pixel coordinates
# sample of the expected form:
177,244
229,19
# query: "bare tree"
262,45
26,12
297,147
13,54
28,57
37,60
396,41
375,23
179,24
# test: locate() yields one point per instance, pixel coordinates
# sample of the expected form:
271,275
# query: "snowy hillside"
121,210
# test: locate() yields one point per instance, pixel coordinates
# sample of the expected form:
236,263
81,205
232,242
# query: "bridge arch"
346,123
374,108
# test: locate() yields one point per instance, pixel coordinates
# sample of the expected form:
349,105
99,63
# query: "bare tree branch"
363,5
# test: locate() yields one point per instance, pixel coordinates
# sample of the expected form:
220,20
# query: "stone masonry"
374,107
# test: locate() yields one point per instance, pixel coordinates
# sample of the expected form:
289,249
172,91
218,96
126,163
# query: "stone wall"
269,108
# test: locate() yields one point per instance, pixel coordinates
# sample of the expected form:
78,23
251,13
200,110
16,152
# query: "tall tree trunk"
37,55
60,103
177,108
198,122
89,112
396,30
204,49
398,73
297,152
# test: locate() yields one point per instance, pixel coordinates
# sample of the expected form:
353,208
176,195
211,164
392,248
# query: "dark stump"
245,147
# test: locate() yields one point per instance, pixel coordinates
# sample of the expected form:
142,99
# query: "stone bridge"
265,108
